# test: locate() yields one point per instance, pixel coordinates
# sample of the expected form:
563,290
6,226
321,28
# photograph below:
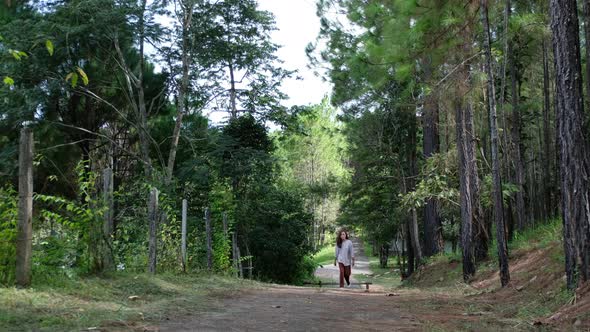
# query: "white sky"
297,26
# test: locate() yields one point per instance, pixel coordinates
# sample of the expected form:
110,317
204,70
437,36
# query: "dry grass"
536,291
74,305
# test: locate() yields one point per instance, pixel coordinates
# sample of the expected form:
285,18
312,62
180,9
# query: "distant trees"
478,93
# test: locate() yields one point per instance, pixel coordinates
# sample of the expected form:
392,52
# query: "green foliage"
379,151
231,42
75,226
66,43
508,191
74,75
130,244
244,152
221,252
18,55
222,202
278,240
270,220
539,236
542,235
8,81
8,220
75,214
311,154
439,180
49,46
324,255
169,236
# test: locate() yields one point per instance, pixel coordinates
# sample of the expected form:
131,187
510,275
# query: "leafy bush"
70,232
278,239
8,219
221,201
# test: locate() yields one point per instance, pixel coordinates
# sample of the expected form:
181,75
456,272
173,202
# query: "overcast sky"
297,25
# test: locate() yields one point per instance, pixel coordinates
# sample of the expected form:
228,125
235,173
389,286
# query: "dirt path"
286,308
300,309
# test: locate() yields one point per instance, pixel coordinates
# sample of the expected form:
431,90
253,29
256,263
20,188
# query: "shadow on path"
285,308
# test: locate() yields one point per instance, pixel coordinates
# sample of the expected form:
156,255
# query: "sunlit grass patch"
325,256
539,236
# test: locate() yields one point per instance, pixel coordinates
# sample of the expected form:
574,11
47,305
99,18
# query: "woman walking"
344,257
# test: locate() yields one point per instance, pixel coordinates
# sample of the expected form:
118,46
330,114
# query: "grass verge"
388,278
122,299
325,256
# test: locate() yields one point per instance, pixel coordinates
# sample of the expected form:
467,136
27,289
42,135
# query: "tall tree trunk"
465,192
496,177
509,216
516,132
547,155
187,15
433,241
506,153
402,250
573,161
468,179
586,17
411,257
413,230
232,92
143,124
519,178
480,228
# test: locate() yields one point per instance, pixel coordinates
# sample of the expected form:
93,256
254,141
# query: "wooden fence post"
239,258
209,244
108,226
250,267
183,240
153,220
235,252
24,237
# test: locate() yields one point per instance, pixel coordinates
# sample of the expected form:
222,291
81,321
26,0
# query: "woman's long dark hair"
339,239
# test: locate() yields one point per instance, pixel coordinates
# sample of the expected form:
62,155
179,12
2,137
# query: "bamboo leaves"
8,80
49,47
17,55
75,75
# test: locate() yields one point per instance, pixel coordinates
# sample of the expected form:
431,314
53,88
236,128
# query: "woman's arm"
336,254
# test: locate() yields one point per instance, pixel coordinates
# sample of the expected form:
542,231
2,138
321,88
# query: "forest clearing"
215,165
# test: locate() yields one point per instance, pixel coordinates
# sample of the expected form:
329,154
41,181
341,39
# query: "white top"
345,254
